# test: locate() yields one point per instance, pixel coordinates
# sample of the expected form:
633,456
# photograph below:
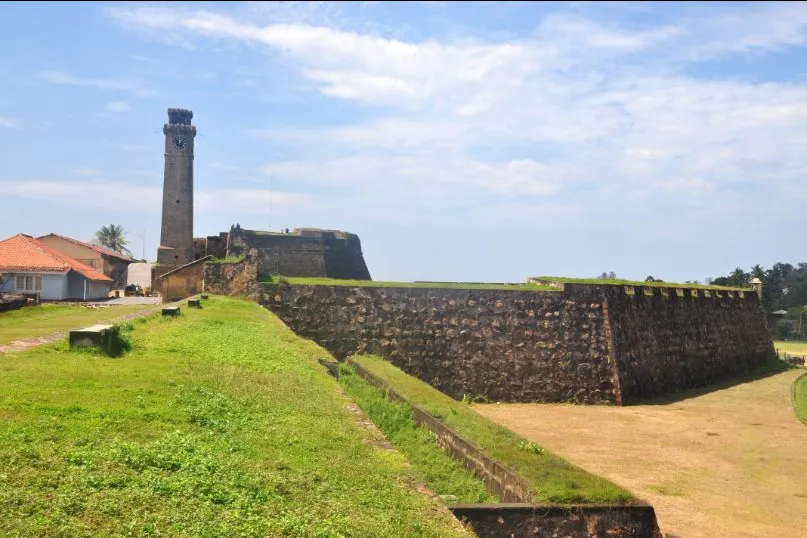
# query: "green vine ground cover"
217,423
553,479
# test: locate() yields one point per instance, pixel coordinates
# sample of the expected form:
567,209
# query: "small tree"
113,237
784,330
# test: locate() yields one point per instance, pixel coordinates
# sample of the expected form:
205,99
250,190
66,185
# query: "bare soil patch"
729,463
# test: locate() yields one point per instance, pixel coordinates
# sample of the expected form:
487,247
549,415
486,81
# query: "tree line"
784,287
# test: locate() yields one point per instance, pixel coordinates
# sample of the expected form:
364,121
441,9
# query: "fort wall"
585,344
304,252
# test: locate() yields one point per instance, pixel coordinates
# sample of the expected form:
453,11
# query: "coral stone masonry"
586,344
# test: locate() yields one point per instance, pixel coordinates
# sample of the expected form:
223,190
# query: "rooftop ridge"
99,249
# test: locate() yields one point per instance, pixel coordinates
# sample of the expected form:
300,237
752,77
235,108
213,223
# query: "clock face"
179,142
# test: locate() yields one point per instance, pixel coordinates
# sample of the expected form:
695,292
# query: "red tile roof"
96,248
24,253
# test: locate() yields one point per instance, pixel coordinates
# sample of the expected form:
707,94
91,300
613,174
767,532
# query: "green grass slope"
443,474
216,423
553,479
46,319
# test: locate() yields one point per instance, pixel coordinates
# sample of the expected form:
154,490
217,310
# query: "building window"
29,283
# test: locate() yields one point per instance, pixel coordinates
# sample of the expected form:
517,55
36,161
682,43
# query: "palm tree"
113,237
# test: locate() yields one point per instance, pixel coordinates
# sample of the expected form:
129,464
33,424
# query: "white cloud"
135,87
87,172
7,122
88,194
126,198
243,201
116,107
597,112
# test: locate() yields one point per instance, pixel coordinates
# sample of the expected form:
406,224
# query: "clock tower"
176,237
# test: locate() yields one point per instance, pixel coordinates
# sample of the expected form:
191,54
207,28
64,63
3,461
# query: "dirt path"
731,463
27,343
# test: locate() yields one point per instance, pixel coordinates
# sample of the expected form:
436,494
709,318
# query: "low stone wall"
586,344
12,301
571,521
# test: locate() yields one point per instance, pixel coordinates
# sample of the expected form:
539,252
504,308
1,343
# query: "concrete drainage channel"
516,517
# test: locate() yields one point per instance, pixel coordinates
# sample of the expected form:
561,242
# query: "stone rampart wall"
587,344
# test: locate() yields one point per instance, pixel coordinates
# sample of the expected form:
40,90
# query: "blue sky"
485,141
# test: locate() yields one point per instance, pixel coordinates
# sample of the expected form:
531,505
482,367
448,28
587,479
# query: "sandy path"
730,463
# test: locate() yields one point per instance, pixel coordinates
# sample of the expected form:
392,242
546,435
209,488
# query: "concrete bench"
204,296
93,336
194,303
171,311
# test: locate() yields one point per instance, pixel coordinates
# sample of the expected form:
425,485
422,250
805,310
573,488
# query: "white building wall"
98,290
80,288
54,285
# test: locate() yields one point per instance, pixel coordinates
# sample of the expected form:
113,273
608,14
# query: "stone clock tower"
176,238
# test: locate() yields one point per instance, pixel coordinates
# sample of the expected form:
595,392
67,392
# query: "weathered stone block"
91,336
170,311
194,303
204,296
105,337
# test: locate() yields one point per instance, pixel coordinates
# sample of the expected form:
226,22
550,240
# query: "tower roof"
100,250
182,116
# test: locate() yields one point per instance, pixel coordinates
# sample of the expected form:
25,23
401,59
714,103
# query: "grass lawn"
795,348
554,480
217,423
801,397
50,318
315,281
440,472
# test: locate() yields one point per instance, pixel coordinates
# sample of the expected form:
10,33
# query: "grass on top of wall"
621,282
219,422
440,472
553,479
228,259
316,281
